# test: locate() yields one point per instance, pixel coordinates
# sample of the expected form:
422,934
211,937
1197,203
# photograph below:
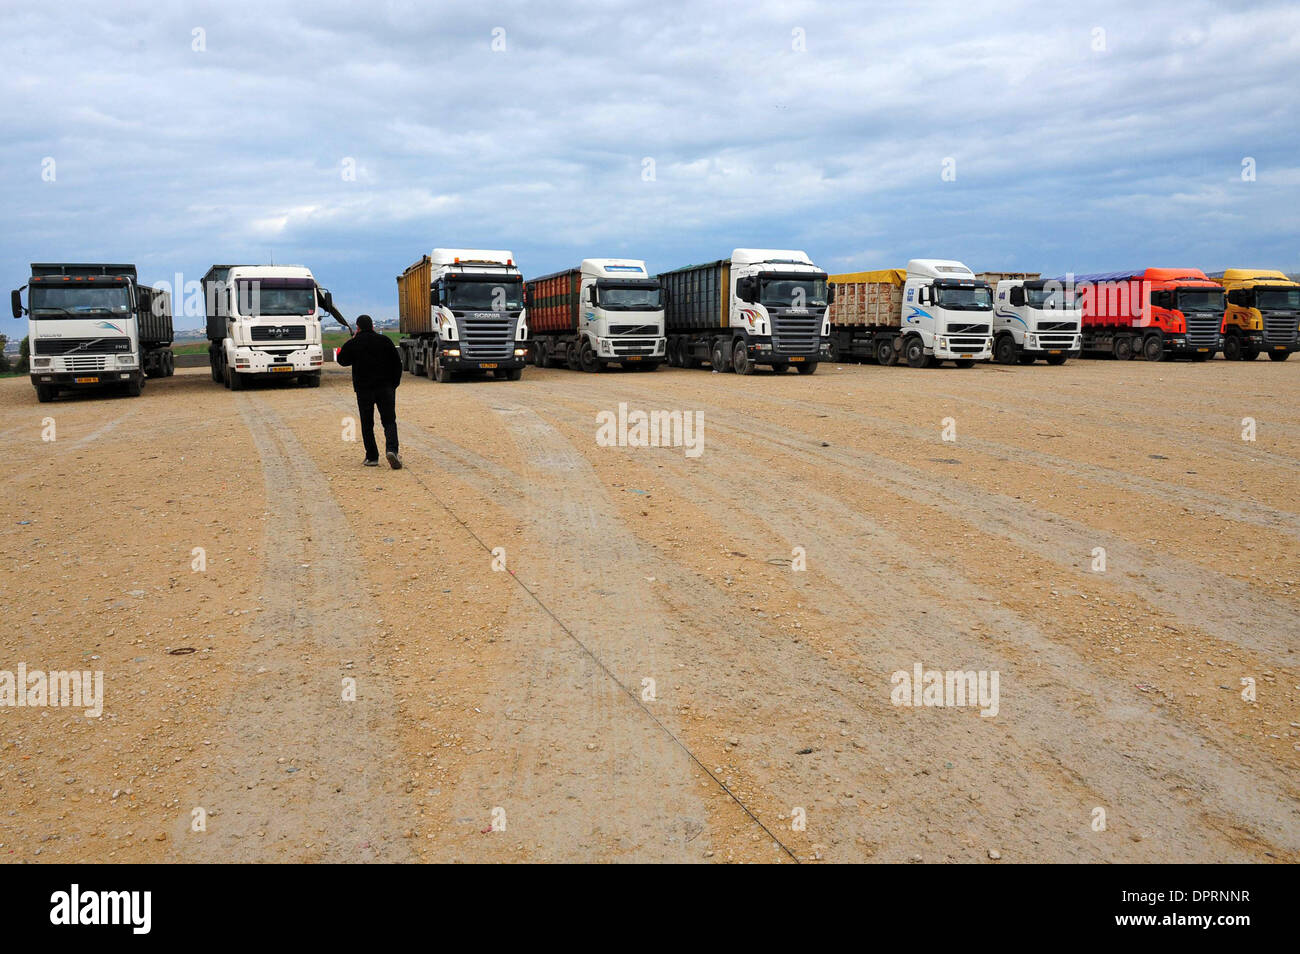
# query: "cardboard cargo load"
872,298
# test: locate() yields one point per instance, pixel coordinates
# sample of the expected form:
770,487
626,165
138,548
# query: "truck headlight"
40,362
519,352
127,359
452,352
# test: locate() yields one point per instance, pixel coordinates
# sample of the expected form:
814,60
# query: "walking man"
376,373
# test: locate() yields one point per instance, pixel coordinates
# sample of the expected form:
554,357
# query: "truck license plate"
1053,352
93,379
281,367
634,357
490,364
796,359
1202,349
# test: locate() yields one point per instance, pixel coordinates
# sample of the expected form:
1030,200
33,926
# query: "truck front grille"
115,345
1071,326
796,334
633,330
967,345
642,346
1280,329
967,328
487,338
1203,330
278,332
86,362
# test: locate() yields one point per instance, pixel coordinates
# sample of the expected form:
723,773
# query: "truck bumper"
455,362
963,348
1177,345
761,352
636,350
83,379
269,364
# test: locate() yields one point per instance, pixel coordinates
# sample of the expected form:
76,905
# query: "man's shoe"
371,463
394,460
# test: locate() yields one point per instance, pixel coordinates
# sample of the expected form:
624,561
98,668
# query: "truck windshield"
1050,299
490,295
1278,299
793,292
964,298
73,301
1196,299
269,297
630,297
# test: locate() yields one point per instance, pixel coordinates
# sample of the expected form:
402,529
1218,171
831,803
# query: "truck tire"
236,380
809,368
437,370
885,353
45,393
1153,349
740,362
780,368
1249,354
718,357
587,359
135,386
674,352
914,353
1278,355
310,380
1057,359
1232,348
1025,359
1004,350
965,362
1123,348
514,374
216,369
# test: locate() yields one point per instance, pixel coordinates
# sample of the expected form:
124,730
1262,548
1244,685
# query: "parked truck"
262,324
759,307
94,326
933,311
1034,318
1159,313
462,309
606,311
1262,314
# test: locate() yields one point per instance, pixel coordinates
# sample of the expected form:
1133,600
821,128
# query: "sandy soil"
520,699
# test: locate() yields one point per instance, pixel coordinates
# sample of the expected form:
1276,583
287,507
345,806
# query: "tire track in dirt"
299,774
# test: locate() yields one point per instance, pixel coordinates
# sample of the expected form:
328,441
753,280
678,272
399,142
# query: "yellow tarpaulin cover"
894,276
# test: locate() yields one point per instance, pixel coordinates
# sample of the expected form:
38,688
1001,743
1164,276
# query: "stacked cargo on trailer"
759,307
608,310
1156,312
934,311
262,324
462,309
94,326
1034,318
1263,313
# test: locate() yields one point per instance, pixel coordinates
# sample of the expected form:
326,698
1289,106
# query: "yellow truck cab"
1263,313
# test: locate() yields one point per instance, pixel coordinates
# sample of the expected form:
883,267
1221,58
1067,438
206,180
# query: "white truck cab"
620,310
263,323
947,314
1035,319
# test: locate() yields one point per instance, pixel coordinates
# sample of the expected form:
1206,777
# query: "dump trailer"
1034,318
1159,313
94,326
1262,314
934,310
759,307
262,324
462,310
606,311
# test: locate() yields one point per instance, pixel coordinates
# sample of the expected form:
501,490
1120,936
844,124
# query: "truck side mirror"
326,299
434,300
1017,296
923,295
745,289
830,295
16,298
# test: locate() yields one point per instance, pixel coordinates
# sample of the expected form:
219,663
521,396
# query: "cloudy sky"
354,137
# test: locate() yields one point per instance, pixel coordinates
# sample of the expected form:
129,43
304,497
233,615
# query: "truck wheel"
740,362
1123,348
216,370
1232,347
587,358
965,362
914,353
1004,350
311,380
1025,359
717,357
1057,359
439,371
1278,355
236,380
45,393
514,374
135,386
1249,354
885,353
674,359
809,368
1153,349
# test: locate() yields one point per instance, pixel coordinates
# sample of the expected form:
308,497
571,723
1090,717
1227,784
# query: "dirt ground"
673,637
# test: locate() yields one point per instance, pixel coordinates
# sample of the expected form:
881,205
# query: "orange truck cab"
1263,313
1159,313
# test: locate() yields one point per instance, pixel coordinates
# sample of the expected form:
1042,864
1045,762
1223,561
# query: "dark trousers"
386,400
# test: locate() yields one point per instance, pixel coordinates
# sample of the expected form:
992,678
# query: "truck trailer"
1262,313
94,326
933,311
759,307
462,309
262,324
606,311
1034,318
1156,312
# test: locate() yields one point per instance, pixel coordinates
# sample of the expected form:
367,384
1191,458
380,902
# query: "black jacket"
374,360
